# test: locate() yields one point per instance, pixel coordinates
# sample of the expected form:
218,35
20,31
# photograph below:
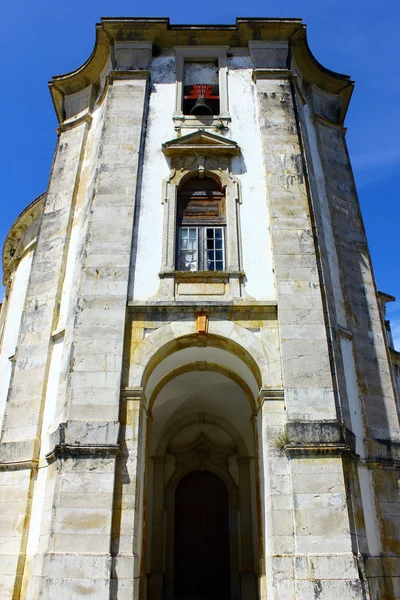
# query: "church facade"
198,388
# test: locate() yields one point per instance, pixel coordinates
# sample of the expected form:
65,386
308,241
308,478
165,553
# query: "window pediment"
200,142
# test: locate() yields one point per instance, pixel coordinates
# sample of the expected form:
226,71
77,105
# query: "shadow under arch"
206,366
202,418
195,174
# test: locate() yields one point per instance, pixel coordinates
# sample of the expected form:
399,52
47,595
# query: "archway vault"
202,366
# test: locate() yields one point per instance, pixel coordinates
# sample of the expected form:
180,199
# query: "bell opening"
201,108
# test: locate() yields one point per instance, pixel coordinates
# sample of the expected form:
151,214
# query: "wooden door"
201,553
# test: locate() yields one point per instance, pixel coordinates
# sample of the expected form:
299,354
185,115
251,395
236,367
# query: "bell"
201,108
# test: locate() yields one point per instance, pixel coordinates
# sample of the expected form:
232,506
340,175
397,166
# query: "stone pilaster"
77,561
25,403
95,374
376,388
130,487
304,347
310,399
93,390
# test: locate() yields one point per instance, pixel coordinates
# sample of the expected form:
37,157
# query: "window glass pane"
214,249
188,249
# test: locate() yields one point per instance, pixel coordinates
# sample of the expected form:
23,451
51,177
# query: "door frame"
233,532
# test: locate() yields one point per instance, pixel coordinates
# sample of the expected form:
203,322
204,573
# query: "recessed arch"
204,366
202,418
185,178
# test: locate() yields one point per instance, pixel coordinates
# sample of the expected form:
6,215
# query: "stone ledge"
271,74
317,448
18,455
177,305
318,437
80,438
63,451
383,452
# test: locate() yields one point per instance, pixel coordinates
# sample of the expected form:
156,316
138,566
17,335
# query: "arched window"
201,226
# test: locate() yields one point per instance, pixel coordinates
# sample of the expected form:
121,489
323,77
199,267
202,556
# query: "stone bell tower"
197,387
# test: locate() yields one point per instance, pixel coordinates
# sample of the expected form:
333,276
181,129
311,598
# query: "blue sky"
356,37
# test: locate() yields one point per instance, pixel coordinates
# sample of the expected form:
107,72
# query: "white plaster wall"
12,325
249,168
146,256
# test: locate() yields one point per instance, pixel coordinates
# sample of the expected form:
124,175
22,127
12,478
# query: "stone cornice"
161,34
319,449
194,305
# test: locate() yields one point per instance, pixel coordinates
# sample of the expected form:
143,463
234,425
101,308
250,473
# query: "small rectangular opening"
201,89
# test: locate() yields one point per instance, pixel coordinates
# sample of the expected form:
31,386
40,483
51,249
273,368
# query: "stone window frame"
202,53
196,224
217,167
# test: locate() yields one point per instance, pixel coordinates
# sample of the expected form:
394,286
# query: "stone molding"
64,451
81,439
75,122
201,53
200,154
318,437
271,74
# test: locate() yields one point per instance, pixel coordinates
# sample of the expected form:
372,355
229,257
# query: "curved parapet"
127,44
331,91
21,236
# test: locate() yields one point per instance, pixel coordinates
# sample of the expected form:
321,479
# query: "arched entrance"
201,423
201,537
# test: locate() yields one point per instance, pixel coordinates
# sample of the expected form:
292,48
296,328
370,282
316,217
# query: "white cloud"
387,157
